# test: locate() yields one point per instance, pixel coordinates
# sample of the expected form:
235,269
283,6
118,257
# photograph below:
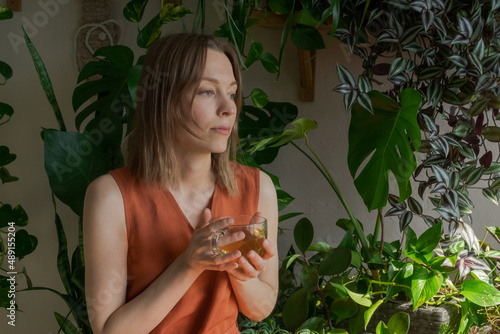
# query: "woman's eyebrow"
214,80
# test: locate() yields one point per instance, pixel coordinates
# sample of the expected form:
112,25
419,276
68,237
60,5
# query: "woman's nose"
227,105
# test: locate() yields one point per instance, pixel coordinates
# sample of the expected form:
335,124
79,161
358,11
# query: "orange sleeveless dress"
158,232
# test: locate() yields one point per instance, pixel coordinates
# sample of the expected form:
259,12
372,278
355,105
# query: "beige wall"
54,39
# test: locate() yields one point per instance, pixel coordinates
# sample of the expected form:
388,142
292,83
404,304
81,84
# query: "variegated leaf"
410,35
418,6
405,220
344,88
364,84
475,176
492,195
427,19
479,49
395,212
458,60
465,27
397,66
345,76
476,62
489,62
429,124
365,102
350,99
414,205
478,107
413,47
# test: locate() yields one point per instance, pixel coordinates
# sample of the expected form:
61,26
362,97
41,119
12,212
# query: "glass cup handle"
214,242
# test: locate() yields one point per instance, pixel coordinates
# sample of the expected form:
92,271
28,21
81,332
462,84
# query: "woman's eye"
232,96
207,92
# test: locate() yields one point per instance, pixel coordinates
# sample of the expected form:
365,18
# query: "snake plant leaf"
44,77
112,87
384,140
71,158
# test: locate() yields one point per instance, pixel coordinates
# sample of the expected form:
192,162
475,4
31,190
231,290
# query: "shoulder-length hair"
172,68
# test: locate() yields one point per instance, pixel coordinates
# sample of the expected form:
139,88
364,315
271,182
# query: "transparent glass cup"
255,229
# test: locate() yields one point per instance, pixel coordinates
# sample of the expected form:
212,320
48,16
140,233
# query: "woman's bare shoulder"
103,201
266,185
103,187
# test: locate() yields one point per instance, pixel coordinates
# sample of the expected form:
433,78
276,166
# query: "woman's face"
213,112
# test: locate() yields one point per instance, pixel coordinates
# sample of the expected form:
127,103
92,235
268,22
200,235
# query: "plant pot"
425,319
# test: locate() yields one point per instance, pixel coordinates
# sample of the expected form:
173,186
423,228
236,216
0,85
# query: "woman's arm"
256,284
105,244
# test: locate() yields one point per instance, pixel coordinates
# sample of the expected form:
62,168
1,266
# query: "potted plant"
15,242
448,53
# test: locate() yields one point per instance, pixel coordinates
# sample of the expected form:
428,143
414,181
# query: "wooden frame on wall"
15,5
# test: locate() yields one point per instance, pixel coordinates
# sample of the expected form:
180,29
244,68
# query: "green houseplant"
449,53
74,159
105,104
15,243
373,277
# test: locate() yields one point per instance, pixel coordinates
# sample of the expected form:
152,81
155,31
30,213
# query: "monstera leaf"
117,76
384,142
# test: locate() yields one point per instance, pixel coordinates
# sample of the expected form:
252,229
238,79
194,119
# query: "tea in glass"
254,228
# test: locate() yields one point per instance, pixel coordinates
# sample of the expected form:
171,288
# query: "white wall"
54,38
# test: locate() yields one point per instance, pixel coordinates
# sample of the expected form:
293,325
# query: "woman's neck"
194,172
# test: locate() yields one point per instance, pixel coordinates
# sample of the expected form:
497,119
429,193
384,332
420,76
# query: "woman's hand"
199,255
257,264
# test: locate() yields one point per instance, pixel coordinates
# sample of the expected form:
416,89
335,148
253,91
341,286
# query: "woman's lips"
222,130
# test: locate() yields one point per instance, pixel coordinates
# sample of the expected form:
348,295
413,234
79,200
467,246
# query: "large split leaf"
385,139
72,158
114,100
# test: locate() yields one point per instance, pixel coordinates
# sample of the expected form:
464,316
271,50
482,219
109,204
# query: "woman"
149,264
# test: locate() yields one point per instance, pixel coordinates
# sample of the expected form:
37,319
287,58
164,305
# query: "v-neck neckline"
181,212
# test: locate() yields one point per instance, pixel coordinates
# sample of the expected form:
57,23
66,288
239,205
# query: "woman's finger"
270,250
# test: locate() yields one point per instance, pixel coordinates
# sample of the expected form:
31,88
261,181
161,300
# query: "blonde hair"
172,68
